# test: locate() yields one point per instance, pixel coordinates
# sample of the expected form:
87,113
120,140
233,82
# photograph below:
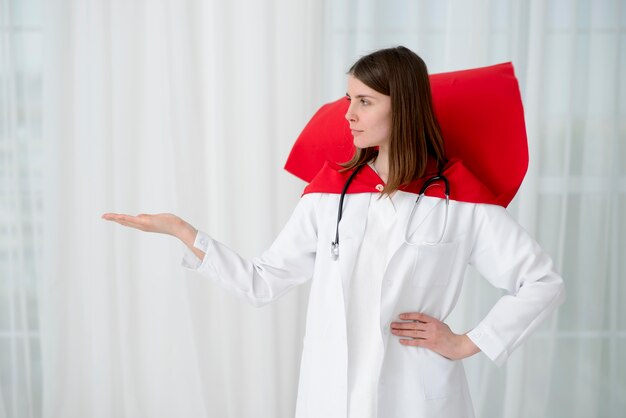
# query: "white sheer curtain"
175,106
20,208
190,107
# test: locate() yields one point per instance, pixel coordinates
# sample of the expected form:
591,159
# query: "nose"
350,115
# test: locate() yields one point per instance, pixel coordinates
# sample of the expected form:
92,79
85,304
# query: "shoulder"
498,224
494,213
309,202
312,202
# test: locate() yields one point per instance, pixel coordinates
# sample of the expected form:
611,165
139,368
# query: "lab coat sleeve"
510,259
287,263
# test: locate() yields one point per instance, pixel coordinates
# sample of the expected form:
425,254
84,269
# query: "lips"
355,131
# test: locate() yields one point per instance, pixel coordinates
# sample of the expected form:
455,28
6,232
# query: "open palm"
164,223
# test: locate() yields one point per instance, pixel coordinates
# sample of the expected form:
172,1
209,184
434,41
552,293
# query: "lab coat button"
380,187
478,334
202,241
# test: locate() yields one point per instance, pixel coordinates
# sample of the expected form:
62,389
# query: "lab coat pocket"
441,377
432,264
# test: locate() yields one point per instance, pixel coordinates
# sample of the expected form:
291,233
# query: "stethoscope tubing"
334,246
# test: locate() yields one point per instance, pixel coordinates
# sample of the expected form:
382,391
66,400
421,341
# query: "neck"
381,163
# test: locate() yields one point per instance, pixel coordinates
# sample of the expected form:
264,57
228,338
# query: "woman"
376,344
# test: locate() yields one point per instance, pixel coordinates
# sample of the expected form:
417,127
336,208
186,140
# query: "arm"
187,234
506,255
287,263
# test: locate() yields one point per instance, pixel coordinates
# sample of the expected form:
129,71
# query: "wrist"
186,232
466,346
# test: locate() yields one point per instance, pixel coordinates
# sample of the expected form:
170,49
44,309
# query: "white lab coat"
414,381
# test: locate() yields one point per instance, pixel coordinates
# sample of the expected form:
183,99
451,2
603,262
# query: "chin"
361,144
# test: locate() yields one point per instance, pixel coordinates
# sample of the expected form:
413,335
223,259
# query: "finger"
407,325
131,224
130,219
417,316
414,343
417,329
408,333
116,216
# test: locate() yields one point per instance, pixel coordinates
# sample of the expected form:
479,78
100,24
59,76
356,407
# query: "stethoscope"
334,246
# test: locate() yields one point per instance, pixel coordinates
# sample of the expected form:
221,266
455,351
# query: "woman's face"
369,115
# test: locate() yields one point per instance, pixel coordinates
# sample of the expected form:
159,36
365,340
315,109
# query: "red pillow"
480,113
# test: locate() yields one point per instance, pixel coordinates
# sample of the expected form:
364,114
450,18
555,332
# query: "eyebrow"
359,96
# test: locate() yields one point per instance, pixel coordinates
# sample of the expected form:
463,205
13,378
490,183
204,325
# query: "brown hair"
415,133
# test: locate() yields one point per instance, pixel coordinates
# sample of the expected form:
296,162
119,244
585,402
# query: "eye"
364,102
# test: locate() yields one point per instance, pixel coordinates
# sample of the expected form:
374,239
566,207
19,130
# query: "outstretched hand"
428,332
163,223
